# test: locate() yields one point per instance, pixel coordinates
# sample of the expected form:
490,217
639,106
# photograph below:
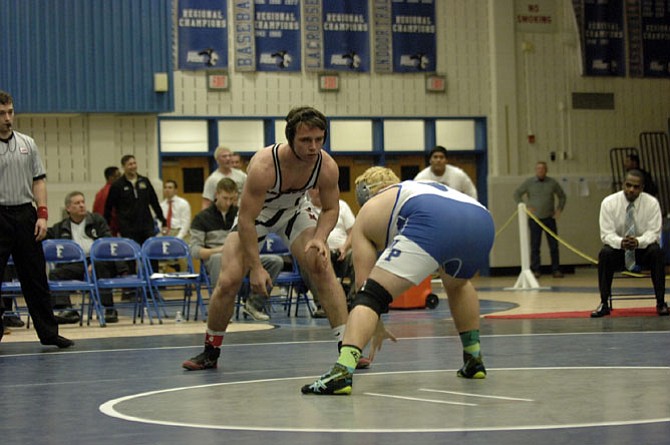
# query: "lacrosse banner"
404,35
337,35
203,34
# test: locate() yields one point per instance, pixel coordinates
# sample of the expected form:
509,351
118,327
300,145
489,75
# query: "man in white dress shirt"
177,211
440,171
623,230
224,158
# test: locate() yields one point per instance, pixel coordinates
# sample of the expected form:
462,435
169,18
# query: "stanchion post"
526,279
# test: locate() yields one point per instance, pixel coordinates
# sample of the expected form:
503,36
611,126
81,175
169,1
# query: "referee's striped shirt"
20,165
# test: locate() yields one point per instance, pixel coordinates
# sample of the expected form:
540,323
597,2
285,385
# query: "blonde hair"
221,148
376,178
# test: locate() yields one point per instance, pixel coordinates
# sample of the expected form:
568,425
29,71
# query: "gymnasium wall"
521,82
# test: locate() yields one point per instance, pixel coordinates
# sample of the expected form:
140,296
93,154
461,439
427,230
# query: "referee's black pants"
17,238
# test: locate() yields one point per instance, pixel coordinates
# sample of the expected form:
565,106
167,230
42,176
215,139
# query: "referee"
22,228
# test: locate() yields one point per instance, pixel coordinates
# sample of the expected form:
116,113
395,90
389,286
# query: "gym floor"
550,381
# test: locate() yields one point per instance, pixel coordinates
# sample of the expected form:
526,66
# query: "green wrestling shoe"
473,367
337,381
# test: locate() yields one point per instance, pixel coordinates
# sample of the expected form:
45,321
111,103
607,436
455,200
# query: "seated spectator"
339,243
631,162
82,227
209,230
630,229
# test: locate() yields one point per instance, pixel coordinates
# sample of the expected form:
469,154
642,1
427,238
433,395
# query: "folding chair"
170,248
205,281
12,289
292,280
64,251
124,249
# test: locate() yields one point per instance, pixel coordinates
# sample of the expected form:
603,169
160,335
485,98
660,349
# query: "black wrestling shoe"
337,382
207,359
473,367
59,341
661,309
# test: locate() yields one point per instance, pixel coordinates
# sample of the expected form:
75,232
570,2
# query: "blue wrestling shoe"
337,381
473,367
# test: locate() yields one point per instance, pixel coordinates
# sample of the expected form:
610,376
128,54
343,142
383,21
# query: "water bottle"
178,318
145,315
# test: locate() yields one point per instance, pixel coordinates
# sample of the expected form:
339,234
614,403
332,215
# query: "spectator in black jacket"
83,227
133,197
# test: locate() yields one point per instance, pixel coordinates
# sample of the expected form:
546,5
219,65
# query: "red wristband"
43,212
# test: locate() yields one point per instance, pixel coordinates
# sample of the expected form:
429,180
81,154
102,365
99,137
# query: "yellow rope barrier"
573,249
504,226
565,243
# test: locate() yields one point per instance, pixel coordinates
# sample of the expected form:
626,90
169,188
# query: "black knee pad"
374,296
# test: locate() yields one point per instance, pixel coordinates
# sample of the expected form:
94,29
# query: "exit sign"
436,84
329,82
217,81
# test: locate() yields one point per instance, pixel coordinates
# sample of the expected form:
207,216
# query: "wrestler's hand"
40,229
322,252
260,281
381,334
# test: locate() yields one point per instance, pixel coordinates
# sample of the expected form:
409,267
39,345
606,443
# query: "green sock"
349,356
470,341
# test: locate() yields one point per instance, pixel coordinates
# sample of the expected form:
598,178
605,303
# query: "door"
190,174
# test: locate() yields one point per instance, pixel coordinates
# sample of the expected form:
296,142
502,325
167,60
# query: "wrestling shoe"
205,360
473,367
337,381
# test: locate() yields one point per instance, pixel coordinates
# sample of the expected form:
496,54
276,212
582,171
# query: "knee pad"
374,296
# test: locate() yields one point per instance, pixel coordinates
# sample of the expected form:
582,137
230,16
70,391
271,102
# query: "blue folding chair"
124,249
12,289
173,249
292,280
65,251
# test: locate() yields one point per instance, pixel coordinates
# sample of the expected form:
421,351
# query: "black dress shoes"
662,309
67,317
111,316
601,311
13,321
59,341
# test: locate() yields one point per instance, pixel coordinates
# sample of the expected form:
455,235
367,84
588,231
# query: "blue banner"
203,34
602,37
346,30
277,28
412,29
649,37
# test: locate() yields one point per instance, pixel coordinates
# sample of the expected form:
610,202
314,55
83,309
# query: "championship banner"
277,32
203,34
404,34
601,28
649,37
344,43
